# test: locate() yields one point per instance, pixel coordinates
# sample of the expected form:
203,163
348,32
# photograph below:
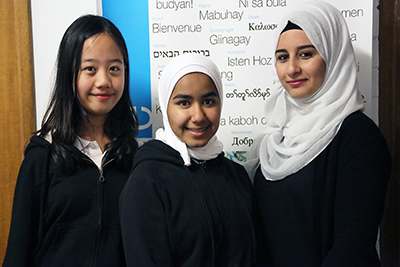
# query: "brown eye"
306,54
89,68
184,103
208,101
282,57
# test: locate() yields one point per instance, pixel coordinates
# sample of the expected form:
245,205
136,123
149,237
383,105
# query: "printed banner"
237,35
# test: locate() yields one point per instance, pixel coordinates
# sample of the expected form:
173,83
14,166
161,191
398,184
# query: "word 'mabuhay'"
218,15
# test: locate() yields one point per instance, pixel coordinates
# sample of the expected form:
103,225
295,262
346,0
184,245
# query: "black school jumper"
173,215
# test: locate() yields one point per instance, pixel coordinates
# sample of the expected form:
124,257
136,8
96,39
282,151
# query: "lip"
297,82
102,96
198,132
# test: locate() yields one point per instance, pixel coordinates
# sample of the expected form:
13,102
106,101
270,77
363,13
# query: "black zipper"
100,195
216,196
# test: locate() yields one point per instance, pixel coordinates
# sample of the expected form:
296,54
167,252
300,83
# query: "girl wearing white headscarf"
185,204
321,166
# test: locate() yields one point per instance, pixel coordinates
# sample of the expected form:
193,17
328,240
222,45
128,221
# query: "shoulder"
233,165
155,150
359,124
37,149
359,129
37,142
155,146
360,137
155,158
237,170
35,163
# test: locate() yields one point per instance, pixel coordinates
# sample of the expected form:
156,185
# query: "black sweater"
61,220
328,213
173,215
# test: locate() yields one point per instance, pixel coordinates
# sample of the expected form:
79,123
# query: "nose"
103,79
293,67
198,114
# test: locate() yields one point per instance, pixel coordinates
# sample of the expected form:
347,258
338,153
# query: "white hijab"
300,129
176,69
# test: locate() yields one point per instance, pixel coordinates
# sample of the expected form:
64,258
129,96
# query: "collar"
90,149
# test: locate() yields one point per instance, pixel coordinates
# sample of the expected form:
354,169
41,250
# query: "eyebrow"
95,60
210,94
298,48
183,96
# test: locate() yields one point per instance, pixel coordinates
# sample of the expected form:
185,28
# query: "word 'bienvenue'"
181,28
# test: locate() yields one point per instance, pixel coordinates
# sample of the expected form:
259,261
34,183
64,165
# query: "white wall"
50,19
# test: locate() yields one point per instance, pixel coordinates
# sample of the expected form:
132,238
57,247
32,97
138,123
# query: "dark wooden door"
17,120
389,121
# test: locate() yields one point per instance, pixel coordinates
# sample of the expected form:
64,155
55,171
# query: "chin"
299,95
195,144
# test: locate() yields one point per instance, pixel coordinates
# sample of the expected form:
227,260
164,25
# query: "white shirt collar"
90,149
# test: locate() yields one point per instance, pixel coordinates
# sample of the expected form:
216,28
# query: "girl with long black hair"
65,209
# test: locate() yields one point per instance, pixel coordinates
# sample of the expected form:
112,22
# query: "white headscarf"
176,69
300,129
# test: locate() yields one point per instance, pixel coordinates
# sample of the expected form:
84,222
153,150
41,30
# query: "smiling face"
194,109
101,75
299,66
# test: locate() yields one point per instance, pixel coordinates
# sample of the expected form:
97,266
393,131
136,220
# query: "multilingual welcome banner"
237,36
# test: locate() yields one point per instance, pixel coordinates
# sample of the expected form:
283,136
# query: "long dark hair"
65,114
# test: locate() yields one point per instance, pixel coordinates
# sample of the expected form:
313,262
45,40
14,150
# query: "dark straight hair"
65,114
291,26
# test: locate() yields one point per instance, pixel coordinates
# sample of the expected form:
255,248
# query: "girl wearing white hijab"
321,166
185,204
